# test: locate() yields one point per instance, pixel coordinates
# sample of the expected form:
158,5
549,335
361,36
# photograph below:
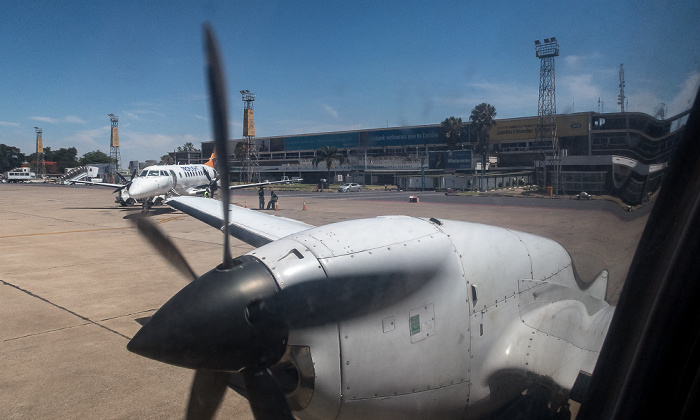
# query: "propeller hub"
204,326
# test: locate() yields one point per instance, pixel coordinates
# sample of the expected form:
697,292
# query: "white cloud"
580,87
576,60
650,103
141,114
45,119
330,110
89,140
9,124
74,119
685,98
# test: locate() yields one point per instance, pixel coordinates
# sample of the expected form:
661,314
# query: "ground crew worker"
261,198
273,200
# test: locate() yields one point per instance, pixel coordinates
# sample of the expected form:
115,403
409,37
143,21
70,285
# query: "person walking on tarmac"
261,198
273,200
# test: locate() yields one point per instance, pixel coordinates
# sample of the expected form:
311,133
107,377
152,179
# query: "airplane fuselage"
165,180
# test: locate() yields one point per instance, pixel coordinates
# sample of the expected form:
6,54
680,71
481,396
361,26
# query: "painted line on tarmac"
86,319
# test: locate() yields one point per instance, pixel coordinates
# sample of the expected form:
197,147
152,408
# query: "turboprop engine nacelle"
478,330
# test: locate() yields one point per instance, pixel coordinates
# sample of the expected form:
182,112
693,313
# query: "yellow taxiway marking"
86,230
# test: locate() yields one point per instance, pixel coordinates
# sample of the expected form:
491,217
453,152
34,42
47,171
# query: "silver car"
350,186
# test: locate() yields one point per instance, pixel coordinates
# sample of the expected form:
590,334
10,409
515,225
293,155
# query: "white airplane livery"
159,182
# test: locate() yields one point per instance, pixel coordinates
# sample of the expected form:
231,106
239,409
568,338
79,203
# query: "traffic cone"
277,207
246,204
304,206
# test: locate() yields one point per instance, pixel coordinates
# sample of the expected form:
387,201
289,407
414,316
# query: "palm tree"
451,132
328,154
483,118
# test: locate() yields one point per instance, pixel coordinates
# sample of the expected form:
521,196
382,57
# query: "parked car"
350,186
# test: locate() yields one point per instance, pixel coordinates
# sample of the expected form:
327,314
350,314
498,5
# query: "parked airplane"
388,318
159,182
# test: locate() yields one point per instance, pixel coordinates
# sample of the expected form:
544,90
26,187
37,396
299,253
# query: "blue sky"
324,66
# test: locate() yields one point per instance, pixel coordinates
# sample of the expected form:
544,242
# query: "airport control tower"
114,153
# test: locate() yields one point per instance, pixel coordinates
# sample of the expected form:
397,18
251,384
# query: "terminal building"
620,154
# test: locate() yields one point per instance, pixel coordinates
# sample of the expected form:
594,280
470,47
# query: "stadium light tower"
547,142
40,161
114,153
251,155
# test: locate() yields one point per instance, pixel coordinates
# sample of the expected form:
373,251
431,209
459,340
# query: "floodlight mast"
114,153
251,154
547,112
40,158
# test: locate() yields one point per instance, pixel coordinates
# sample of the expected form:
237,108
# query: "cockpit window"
152,173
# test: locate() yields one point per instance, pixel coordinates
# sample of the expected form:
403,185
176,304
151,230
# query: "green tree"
483,118
452,132
240,150
95,156
10,157
166,160
187,147
328,154
64,157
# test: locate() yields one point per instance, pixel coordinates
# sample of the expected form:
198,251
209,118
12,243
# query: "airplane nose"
204,326
139,189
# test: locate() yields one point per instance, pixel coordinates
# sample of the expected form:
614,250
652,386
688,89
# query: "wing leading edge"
252,227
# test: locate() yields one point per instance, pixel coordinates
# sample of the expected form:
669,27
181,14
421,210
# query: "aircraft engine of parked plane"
387,318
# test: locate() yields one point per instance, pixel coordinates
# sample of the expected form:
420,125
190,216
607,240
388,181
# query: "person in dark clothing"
273,201
261,198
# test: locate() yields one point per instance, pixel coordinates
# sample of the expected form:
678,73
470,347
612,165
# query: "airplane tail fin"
212,160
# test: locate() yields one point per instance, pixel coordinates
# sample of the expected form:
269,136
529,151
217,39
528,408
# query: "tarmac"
76,277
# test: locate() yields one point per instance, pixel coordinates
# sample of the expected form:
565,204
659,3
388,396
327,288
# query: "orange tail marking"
212,160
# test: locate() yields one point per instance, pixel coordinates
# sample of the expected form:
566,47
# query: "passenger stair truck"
81,173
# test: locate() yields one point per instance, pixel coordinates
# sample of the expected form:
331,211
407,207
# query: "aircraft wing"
101,184
236,187
252,227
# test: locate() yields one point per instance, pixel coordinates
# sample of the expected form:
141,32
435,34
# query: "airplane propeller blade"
212,182
126,185
266,397
208,389
164,246
315,303
122,177
217,101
